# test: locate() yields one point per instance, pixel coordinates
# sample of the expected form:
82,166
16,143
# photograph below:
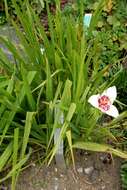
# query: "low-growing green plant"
2,18
64,66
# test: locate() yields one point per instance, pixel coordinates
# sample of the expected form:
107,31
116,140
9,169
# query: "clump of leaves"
112,26
2,18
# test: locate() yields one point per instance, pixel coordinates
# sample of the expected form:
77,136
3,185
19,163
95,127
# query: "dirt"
92,172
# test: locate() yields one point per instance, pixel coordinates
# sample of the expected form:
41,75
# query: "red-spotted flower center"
104,103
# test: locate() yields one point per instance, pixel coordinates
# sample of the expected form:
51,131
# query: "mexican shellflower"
104,101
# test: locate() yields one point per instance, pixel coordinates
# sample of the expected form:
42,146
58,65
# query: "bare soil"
93,172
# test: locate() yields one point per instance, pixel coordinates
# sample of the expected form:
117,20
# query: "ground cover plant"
66,67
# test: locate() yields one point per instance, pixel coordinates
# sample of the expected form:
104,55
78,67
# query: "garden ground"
93,172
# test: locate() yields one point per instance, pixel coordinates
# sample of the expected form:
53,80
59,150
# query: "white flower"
42,50
104,101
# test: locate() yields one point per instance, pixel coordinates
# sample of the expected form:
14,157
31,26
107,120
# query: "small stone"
33,164
102,158
56,179
89,170
61,175
80,170
56,187
56,169
103,187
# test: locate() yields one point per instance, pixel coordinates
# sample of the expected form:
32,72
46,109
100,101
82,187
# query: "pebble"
89,170
61,175
80,170
56,179
102,158
56,187
33,164
103,187
56,169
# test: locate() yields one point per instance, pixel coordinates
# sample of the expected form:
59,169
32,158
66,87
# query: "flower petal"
93,100
112,111
111,93
42,50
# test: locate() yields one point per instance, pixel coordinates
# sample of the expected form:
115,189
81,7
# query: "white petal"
42,50
93,100
111,93
112,111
